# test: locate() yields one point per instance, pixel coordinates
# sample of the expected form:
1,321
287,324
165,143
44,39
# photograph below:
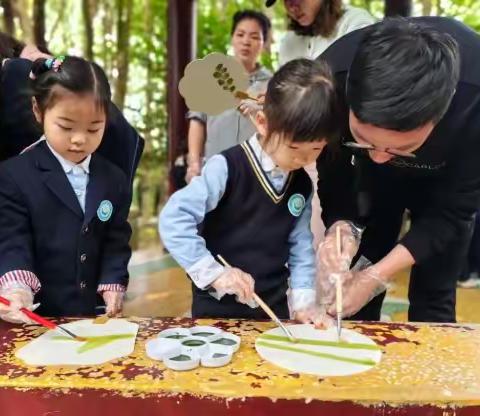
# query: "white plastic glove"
316,315
113,302
326,286
303,308
364,285
20,296
235,282
328,259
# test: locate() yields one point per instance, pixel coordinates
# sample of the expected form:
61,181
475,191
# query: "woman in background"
209,135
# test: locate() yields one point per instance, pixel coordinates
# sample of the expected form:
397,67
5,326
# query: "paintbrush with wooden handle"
338,286
266,308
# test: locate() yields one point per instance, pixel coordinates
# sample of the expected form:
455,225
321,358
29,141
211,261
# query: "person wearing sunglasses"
411,141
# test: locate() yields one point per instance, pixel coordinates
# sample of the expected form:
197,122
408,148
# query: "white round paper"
308,364
47,349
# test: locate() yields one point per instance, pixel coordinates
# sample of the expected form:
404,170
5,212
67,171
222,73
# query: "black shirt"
444,177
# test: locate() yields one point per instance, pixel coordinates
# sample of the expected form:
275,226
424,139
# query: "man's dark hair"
301,103
262,20
403,75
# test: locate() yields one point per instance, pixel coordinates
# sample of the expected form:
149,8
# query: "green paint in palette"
181,357
224,341
193,343
216,355
202,334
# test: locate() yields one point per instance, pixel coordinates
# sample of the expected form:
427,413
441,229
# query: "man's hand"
359,290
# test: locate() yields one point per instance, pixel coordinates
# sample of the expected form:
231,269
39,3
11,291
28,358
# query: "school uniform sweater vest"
250,229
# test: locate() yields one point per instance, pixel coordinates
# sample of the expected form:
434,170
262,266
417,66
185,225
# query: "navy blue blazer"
121,143
44,230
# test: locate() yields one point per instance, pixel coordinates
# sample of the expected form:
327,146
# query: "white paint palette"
184,349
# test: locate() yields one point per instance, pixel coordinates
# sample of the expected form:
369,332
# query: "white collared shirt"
277,176
77,175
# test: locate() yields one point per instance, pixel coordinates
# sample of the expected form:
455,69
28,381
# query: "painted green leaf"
361,361
96,341
336,344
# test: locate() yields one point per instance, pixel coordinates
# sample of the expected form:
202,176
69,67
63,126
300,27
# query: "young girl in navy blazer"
64,234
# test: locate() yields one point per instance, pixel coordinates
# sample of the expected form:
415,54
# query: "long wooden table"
426,370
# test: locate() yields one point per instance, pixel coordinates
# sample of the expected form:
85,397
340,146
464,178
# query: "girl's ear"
261,123
36,111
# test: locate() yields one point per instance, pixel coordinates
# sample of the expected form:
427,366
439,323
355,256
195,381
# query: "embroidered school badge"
296,203
104,211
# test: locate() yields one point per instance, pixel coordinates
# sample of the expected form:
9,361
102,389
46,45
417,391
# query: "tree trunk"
8,22
426,7
107,31
124,9
87,23
39,23
440,9
148,85
398,7
20,8
181,50
368,5
61,12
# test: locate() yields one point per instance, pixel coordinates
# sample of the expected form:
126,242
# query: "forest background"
129,39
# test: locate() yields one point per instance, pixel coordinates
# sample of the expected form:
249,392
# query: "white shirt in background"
294,46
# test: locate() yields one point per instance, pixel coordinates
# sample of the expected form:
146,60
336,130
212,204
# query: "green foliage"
146,97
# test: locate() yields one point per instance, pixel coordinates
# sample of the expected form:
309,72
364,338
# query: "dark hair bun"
39,67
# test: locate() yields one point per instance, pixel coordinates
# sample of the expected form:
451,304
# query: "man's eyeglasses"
369,147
